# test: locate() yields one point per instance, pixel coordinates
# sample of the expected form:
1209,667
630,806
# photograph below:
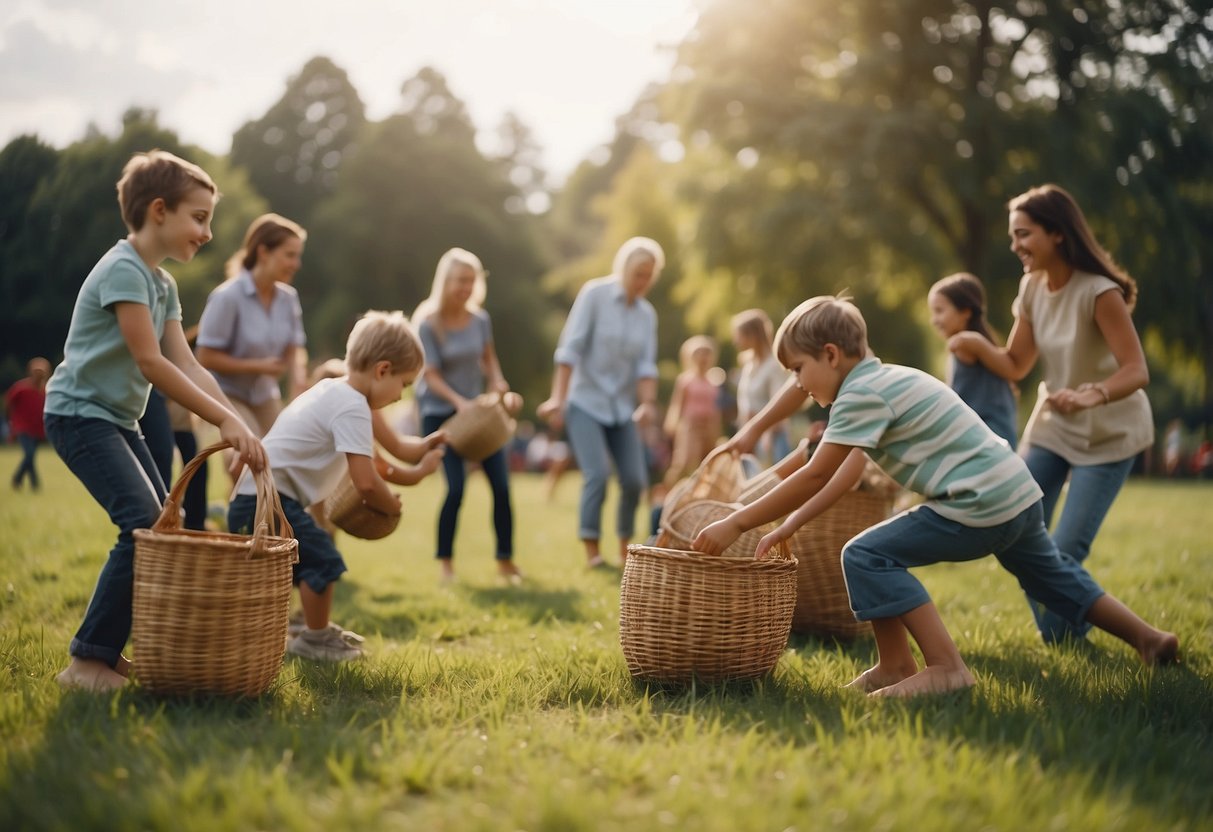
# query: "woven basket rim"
226,540
690,557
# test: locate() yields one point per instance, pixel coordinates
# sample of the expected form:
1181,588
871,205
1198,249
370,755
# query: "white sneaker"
297,625
327,645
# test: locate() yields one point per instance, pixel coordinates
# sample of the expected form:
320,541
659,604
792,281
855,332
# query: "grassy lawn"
490,707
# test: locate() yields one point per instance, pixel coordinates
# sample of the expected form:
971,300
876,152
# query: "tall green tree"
73,218
24,164
294,153
417,186
877,143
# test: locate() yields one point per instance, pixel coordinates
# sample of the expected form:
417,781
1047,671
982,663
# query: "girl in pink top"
693,420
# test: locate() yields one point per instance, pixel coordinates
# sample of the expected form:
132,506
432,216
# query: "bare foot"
123,667
448,572
90,674
929,680
875,678
508,572
1161,648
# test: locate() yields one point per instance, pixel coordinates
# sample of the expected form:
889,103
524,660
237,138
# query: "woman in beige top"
1092,417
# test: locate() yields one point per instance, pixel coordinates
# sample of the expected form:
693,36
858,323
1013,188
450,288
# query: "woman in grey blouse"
605,384
460,362
252,325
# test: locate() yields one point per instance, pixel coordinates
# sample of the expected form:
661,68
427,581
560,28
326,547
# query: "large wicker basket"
480,430
822,605
347,511
210,609
686,616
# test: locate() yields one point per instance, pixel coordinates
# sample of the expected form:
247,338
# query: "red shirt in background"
25,401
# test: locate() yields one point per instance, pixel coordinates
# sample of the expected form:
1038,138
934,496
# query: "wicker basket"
210,609
480,430
822,605
346,510
686,616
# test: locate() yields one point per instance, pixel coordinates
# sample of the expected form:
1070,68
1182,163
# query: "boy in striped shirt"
980,499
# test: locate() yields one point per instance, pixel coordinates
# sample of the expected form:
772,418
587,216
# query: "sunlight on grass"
489,707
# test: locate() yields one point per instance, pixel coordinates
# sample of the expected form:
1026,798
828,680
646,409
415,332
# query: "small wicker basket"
210,609
479,431
346,510
685,616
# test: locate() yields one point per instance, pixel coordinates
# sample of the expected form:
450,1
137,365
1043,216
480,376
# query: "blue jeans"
157,432
1092,490
320,564
594,446
497,469
115,466
29,447
876,562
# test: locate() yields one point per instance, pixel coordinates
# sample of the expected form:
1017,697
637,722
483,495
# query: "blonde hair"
692,345
269,230
634,249
157,174
754,323
384,336
819,321
442,275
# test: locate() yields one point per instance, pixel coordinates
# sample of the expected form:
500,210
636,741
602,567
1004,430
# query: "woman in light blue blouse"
606,384
252,325
460,363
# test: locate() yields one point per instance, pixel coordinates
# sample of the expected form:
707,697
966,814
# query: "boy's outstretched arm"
785,498
410,474
410,449
789,399
843,481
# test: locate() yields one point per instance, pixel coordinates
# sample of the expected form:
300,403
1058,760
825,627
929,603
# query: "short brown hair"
819,321
269,230
384,336
157,174
754,323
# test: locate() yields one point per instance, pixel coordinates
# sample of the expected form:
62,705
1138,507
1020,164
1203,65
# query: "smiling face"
187,228
460,283
945,317
283,261
1036,247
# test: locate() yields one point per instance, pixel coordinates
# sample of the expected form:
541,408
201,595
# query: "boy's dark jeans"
115,466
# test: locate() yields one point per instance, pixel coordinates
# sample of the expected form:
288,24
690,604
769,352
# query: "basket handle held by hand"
269,506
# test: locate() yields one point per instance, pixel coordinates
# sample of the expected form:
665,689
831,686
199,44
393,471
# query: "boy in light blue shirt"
980,499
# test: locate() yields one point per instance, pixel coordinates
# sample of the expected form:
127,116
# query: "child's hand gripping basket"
822,605
480,430
210,609
687,616
346,510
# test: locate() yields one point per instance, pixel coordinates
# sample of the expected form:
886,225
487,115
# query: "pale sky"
566,67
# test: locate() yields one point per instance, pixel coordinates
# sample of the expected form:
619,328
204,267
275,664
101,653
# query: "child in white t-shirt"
320,436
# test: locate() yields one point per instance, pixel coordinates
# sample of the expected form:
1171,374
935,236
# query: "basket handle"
711,470
269,506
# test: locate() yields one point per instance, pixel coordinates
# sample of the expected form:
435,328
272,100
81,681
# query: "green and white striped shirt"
921,433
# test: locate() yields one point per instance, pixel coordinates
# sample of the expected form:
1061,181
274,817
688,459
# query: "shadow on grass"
1131,730
532,603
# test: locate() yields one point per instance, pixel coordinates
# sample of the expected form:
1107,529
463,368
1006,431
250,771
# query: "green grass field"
510,708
